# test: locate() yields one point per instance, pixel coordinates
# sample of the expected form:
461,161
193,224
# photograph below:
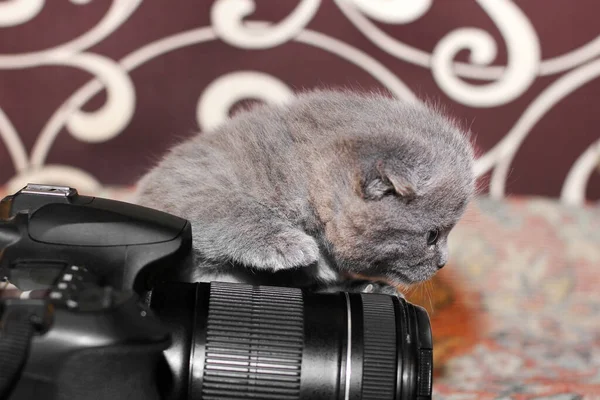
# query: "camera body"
101,310
122,244
80,265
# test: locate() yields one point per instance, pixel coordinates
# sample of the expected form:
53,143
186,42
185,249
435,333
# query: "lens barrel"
236,341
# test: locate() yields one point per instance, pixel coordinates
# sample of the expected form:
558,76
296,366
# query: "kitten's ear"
384,182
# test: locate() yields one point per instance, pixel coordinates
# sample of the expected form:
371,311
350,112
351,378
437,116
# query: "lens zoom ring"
254,342
379,368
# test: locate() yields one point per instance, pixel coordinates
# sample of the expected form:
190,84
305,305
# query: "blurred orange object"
455,321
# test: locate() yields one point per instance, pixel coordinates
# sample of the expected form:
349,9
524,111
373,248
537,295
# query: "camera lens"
236,341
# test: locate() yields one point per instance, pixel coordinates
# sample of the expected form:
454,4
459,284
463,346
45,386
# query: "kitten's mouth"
420,262
397,275
413,273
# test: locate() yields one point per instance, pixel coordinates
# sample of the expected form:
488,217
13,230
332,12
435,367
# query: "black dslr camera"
92,309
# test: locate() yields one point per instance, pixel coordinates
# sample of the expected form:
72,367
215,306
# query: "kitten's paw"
290,248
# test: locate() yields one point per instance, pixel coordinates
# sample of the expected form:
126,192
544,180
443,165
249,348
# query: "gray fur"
331,184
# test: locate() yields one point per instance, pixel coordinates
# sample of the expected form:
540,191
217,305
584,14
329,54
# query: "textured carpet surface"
516,313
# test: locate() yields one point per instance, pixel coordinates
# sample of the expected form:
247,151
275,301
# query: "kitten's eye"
432,237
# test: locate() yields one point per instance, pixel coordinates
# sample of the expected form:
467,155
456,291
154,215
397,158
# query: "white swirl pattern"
573,191
117,14
231,22
421,58
503,153
227,16
13,142
222,94
16,12
393,11
523,57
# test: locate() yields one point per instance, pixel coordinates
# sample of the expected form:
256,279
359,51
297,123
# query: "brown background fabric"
168,86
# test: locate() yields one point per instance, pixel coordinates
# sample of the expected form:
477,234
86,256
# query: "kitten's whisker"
430,292
412,288
406,289
475,135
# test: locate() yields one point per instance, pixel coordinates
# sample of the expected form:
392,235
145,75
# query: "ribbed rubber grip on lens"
425,375
254,343
379,368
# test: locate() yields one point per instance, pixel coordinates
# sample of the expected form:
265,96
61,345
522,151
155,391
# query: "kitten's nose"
443,259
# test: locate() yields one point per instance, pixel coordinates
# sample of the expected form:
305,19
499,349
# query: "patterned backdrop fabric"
93,92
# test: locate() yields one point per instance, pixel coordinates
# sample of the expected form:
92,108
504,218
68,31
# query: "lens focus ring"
380,362
254,343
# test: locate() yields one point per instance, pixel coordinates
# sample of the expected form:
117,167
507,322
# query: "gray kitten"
332,185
